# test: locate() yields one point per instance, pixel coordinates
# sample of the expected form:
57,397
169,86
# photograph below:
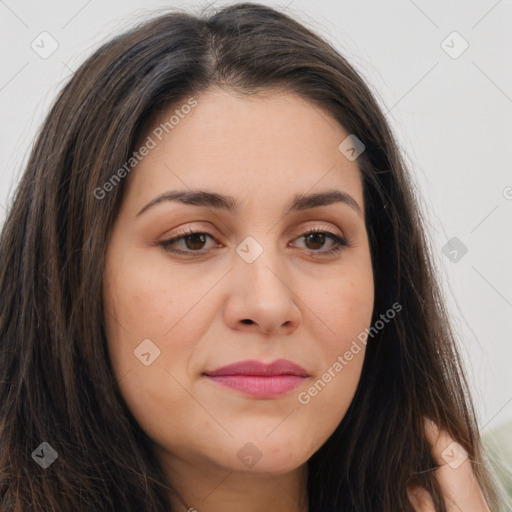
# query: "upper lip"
258,368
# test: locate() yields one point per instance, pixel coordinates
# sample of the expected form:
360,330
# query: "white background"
452,117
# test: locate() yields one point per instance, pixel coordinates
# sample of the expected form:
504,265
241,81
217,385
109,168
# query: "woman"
217,294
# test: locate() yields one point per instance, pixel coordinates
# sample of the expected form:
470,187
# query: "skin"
455,476
209,308
304,307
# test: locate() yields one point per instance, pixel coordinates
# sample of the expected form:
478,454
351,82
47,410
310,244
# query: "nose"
261,297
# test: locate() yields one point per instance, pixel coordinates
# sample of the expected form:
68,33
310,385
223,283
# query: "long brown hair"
56,380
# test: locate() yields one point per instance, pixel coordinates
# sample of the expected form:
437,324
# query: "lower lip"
260,386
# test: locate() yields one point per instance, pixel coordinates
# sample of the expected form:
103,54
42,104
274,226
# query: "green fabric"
498,443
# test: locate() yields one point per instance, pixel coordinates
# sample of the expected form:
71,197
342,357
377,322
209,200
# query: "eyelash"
340,242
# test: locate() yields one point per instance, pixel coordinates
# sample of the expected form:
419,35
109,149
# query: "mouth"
259,386
258,379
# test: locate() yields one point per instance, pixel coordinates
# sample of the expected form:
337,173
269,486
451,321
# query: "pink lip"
259,379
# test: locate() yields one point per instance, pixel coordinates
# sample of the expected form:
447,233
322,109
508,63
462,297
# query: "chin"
260,454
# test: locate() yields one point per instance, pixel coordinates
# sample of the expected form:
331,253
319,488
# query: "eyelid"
192,229
187,230
340,242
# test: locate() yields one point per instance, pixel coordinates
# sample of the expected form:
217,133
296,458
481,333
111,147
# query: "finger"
420,499
455,474
444,449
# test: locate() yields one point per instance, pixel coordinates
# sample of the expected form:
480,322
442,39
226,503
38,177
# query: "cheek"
134,312
143,300
143,317
344,313
147,314
345,307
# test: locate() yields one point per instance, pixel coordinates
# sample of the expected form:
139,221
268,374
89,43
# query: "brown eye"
315,239
195,242
192,241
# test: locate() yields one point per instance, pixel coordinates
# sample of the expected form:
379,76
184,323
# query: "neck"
214,489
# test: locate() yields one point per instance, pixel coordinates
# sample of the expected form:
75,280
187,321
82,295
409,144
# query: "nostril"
247,321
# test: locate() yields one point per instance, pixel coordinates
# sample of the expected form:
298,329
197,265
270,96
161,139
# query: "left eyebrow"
300,202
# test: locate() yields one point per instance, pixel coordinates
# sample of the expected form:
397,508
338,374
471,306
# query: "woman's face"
251,286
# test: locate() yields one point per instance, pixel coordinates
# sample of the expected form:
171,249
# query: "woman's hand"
455,476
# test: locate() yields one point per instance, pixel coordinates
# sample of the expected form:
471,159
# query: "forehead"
269,146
